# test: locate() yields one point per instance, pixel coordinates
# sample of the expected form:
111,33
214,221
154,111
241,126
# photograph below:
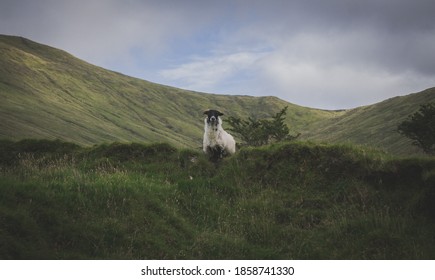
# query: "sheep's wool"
216,138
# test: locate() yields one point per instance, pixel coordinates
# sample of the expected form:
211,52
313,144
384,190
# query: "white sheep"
217,142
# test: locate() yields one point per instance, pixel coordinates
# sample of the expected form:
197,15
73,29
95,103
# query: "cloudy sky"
328,54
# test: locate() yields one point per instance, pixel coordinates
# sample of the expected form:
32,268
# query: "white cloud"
322,86
209,73
334,70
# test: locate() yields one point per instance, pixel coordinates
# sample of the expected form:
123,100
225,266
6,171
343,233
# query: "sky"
328,54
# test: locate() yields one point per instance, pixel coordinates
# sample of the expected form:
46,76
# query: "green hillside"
47,93
287,201
374,125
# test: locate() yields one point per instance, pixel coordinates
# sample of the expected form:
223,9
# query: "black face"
212,116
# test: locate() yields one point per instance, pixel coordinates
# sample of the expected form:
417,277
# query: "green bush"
420,128
254,132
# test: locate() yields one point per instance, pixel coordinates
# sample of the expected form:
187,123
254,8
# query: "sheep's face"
212,116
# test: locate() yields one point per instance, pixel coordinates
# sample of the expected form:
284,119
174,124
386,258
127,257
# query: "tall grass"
286,201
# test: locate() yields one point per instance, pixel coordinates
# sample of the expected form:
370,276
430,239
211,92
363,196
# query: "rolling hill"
48,93
374,125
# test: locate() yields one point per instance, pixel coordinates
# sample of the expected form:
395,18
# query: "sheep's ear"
220,114
206,112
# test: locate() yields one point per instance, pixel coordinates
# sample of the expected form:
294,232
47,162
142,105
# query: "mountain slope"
375,125
48,93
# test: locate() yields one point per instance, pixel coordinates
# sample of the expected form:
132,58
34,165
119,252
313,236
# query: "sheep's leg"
215,153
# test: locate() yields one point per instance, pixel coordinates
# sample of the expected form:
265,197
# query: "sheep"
217,143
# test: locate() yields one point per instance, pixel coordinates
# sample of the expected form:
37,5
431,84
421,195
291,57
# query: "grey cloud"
383,47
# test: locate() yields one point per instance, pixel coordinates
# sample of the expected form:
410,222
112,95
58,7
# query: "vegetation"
283,201
61,200
258,132
420,127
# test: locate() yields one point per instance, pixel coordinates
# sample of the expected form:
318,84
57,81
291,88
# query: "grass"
285,201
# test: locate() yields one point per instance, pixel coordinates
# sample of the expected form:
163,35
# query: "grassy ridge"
287,201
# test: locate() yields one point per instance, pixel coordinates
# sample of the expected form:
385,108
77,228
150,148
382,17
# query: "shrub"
263,131
420,127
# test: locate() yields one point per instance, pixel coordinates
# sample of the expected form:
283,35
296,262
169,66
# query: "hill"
48,93
375,125
286,201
